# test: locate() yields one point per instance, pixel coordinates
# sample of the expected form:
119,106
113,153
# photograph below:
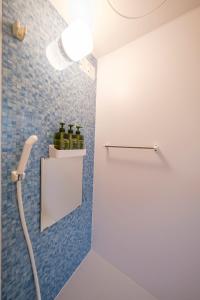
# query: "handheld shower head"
25,154
31,140
17,177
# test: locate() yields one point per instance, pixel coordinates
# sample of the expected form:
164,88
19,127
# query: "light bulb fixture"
74,43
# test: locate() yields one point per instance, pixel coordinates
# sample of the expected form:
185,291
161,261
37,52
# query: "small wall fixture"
74,43
18,31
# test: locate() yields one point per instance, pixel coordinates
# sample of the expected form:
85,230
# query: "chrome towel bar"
155,147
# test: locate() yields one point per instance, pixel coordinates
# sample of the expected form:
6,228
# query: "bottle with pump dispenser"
74,142
58,136
61,141
79,137
70,136
66,141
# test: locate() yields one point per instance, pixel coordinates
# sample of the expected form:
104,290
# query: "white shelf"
54,153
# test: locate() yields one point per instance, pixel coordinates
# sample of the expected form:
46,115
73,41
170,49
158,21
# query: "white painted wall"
147,205
97,279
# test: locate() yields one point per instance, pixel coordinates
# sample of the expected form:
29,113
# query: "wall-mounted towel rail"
155,147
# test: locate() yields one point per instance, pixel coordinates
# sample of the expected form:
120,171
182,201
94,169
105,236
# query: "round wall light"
74,43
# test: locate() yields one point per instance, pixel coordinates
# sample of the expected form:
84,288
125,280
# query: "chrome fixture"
155,147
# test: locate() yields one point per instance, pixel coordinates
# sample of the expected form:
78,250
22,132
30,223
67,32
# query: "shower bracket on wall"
17,177
18,31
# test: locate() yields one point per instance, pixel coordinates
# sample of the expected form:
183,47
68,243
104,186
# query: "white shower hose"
28,241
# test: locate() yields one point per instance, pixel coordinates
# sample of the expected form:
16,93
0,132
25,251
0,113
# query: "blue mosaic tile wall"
35,99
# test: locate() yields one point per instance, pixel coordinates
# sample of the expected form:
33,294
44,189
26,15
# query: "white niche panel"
61,187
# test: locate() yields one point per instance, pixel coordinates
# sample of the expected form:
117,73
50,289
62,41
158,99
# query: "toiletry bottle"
56,140
61,138
78,133
70,134
57,137
66,141
80,138
74,141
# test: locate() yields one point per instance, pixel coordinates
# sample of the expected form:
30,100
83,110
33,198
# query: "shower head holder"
19,31
17,177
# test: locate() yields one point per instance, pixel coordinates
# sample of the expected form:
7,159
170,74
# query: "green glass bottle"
61,141
66,142
79,137
69,135
74,142
57,137
56,140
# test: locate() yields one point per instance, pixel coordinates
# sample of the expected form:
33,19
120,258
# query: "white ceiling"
111,31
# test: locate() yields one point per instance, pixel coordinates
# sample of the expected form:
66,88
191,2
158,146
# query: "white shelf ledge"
54,153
